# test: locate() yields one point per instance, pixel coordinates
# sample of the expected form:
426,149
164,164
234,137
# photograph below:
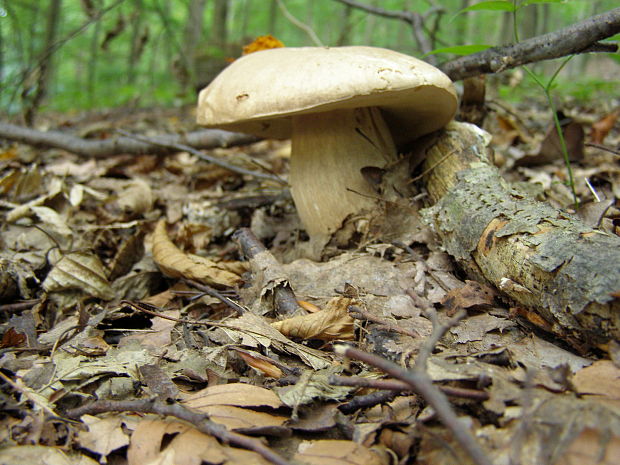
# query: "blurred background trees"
80,54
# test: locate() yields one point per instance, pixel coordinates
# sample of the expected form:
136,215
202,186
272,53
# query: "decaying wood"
544,259
203,139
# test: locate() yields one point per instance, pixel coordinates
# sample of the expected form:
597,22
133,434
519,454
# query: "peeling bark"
544,259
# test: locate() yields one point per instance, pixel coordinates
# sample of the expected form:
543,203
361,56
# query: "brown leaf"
12,338
600,378
174,263
601,128
260,363
472,294
171,442
331,323
591,447
336,452
79,270
237,394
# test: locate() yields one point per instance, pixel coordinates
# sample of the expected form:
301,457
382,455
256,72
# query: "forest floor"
160,323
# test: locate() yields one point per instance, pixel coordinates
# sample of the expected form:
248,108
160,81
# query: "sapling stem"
547,91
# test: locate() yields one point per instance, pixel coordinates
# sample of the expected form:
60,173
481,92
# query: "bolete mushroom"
344,108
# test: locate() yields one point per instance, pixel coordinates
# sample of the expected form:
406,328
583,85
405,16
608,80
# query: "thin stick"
420,382
203,156
304,27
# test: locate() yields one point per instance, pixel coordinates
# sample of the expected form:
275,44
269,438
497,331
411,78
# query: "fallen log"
542,258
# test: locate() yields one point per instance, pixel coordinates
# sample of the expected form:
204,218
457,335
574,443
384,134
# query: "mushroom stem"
328,151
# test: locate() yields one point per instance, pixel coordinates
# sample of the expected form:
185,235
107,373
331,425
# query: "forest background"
66,55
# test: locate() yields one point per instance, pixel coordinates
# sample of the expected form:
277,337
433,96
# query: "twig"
420,382
366,401
17,306
261,261
439,329
304,27
396,385
200,421
581,37
202,156
603,147
218,295
359,314
414,19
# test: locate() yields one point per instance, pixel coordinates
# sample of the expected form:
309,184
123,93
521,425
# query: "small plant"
513,7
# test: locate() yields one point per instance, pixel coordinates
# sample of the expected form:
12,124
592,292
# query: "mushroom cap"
259,92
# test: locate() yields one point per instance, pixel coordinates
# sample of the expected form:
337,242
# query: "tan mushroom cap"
258,93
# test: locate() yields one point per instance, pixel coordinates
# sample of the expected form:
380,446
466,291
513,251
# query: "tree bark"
542,258
46,64
578,38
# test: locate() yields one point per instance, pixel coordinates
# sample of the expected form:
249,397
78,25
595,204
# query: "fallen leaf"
601,378
601,128
236,394
104,435
176,264
41,455
333,322
336,452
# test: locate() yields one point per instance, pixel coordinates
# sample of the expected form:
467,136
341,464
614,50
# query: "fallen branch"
542,258
203,139
200,421
581,37
420,382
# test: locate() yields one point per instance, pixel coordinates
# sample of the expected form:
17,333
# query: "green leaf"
532,2
460,49
492,5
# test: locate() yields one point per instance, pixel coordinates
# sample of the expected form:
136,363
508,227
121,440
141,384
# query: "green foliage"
88,75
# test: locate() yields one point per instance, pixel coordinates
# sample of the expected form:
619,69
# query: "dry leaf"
156,441
41,455
174,263
601,378
335,452
104,435
601,128
331,323
236,394
260,363
79,270
262,43
136,198
591,447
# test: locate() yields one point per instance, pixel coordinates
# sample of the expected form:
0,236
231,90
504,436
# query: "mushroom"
344,108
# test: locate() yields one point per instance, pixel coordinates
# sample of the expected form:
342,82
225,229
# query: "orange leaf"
262,43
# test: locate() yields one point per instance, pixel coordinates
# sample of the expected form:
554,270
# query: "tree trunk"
46,62
543,259
192,36
219,26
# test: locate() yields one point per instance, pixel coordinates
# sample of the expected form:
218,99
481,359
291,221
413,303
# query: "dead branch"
263,263
200,421
419,381
396,385
203,156
413,18
581,37
203,139
542,258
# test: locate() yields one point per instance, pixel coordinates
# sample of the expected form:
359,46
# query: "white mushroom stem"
328,151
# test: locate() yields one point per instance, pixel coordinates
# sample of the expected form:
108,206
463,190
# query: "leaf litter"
87,244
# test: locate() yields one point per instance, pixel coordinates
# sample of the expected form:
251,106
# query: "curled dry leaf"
260,362
331,323
601,128
79,270
176,264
